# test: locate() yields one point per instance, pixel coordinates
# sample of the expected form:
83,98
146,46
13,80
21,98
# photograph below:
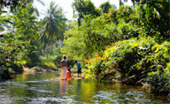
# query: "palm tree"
54,23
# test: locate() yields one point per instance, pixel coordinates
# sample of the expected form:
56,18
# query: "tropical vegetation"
129,44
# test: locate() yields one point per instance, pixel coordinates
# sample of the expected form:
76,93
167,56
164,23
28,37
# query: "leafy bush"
138,60
91,66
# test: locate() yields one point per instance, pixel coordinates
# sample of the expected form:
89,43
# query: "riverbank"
6,73
38,69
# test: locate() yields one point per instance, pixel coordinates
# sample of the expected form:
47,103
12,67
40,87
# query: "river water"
37,89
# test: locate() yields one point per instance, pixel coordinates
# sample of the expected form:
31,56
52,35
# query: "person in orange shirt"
68,74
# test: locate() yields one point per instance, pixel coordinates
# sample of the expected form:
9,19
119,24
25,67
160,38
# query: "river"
37,89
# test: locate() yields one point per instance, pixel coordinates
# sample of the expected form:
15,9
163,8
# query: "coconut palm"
54,23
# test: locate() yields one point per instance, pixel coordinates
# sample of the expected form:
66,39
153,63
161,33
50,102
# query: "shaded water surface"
37,89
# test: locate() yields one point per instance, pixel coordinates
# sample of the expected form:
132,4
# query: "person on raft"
64,68
68,74
78,68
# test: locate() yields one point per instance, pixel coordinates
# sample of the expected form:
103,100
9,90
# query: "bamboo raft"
72,78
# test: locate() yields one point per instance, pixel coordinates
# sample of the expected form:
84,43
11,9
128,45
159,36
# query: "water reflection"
37,89
64,86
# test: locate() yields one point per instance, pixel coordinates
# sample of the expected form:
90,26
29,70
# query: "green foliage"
96,33
74,47
130,43
154,16
58,56
10,3
84,7
17,43
133,42
121,3
91,66
48,63
137,60
54,25
105,7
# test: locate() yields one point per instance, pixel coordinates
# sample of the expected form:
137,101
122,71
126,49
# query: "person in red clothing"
68,74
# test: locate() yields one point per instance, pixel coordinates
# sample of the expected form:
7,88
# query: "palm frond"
40,1
53,25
